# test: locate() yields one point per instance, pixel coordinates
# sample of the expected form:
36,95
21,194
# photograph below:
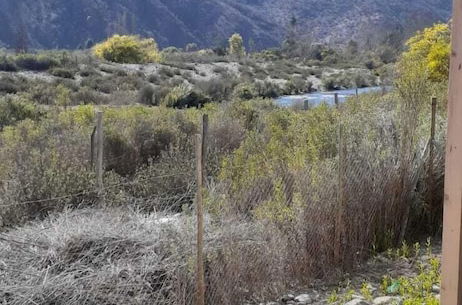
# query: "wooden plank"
451,287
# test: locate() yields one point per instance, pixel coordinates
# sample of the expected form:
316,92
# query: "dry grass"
124,257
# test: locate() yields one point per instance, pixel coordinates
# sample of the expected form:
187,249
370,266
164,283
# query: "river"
316,98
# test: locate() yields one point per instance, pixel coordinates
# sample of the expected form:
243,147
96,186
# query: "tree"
123,24
352,48
128,49
236,45
191,47
252,46
89,43
22,40
428,51
292,38
422,70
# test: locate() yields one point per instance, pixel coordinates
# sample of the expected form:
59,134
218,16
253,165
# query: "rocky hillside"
62,23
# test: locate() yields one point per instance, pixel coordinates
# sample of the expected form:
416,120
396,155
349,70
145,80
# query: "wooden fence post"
200,276
451,285
99,152
336,101
204,132
431,164
93,149
306,104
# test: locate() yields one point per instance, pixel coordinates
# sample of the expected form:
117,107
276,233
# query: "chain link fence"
269,227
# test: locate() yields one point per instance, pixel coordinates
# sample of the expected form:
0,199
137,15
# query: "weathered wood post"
200,276
306,104
93,148
451,286
99,152
431,164
204,132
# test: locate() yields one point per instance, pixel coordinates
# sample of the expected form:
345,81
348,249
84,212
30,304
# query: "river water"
316,98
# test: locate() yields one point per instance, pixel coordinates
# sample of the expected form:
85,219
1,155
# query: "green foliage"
276,209
7,65
333,297
191,47
63,96
183,96
428,53
418,290
146,95
63,72
33,62
281,138
236,45
245,91
366,291
128,49
15,109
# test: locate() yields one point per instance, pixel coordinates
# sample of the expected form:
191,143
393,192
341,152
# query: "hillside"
68,24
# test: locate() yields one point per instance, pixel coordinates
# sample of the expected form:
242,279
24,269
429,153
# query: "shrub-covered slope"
53,23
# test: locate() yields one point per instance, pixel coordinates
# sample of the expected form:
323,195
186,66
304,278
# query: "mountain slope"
64,23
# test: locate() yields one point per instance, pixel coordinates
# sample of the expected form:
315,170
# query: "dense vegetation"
275,174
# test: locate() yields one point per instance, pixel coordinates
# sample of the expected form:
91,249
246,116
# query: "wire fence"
268,228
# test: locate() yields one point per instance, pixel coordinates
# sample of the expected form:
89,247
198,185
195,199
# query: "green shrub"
128,49
8,86
35,62
7,65
153,78
236,45
297,85
218,89
88,71
171,50
183,96
14,109
245,91
328,83
166,72
268,89
146,95
62,72
86,95
191,47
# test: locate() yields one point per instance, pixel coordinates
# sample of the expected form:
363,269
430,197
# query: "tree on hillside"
352,48
191,47
252,46
236,45
22,40
123,24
